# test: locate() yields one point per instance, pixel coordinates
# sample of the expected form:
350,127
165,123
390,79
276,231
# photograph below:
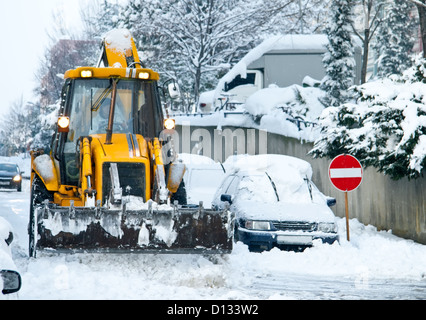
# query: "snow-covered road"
374,265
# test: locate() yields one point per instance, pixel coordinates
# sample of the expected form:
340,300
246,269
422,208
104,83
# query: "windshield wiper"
273,186
309,187
102,96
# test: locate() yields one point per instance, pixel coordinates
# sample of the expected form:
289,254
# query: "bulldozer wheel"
180,195
39,193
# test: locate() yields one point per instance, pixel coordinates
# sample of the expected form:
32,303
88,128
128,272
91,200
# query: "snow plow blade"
96,229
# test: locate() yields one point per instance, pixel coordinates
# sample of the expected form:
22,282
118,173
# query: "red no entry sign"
345,172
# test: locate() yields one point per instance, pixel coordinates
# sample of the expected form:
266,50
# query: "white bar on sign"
346,173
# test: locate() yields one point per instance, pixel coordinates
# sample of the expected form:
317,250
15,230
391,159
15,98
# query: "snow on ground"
361,269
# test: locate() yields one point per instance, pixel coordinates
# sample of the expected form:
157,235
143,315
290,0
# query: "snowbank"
371,254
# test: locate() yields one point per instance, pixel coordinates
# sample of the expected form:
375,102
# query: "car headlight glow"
326,227
257,225
169,124
17,178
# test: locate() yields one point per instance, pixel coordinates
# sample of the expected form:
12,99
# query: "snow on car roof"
278,165
287,173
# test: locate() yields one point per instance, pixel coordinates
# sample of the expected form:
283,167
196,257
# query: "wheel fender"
43,166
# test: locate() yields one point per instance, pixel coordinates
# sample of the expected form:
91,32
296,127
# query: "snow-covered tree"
339,59
368,20
194,41
15,130
99,17
385,127
395,38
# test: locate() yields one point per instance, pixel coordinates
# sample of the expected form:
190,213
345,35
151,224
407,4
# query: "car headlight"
257,225
327,227
17,178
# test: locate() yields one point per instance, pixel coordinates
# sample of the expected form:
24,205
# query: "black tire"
39,193
180,195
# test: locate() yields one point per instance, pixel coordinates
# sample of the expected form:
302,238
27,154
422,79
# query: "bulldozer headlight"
86,73
169,124
144,75
63,124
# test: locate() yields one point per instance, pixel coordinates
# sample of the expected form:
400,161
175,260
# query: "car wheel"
180,195
19,187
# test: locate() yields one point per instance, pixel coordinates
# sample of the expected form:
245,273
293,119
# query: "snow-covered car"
202,178
275,203
10,279
10,176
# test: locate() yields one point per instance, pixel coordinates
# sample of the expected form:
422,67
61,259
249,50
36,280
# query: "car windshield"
256,188
8,167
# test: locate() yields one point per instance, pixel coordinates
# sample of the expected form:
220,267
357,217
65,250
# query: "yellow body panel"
118,151
44,167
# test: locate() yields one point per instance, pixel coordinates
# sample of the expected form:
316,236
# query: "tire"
180,195
39,193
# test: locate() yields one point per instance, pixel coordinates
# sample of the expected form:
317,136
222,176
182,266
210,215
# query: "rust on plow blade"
178,230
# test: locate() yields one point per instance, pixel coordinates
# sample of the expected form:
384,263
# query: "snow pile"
292,111
5,252
119,40
44,166
371,253
285,168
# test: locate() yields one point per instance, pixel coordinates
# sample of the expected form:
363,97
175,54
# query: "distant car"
10,279
202,178
276,204
10,176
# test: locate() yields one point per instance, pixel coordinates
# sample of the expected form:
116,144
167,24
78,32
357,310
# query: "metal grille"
130,174
294,225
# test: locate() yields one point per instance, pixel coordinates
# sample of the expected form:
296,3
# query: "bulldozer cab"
87,103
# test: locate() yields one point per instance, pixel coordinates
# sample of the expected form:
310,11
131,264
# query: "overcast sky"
23,27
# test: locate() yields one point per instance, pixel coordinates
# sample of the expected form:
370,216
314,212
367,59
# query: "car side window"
232,188
225,185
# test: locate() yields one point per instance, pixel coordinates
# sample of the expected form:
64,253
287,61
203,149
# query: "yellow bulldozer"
107,185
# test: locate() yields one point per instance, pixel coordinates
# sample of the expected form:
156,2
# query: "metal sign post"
345,173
